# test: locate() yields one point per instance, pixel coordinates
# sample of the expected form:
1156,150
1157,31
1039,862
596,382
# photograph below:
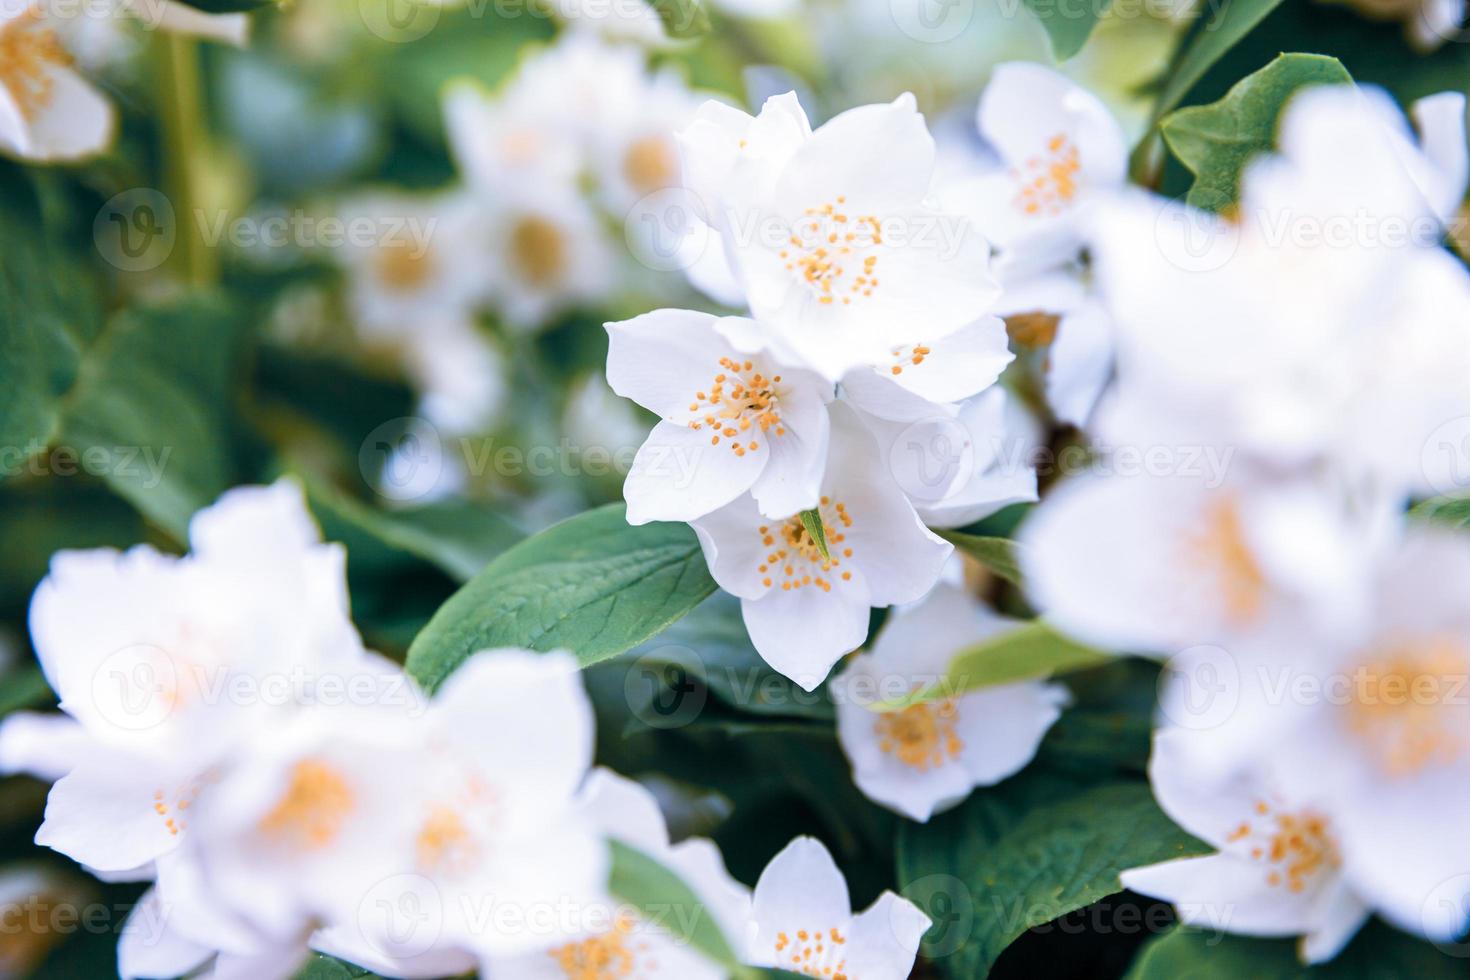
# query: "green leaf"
1031,652
456,536
323,967
1000,555
24,687
48,318
229,6
153,407
1207,44
812,521
1050,851
662,897
593,584
683,18
1068,25
1451,512
1217,141
1377,953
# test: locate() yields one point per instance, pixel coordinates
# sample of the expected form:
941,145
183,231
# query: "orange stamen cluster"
921,736
1219,547
914,355
1408,705
605,957
26,55
825,252
314,807
173,813
813,954
1295,846
794,558
739,400
1048,181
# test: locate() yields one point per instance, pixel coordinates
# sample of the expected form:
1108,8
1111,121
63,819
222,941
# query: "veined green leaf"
1068,25
593,584
1217,141
1207,44
997,554
1031,652
1376,953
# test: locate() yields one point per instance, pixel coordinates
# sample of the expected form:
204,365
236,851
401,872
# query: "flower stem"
181,122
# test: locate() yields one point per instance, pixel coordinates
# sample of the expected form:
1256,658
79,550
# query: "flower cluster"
227,737
1314,727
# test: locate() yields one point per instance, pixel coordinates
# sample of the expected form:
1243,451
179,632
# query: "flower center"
26,54
538,250
921,736
1048,181
794,557
813,954
1408,705
738,400
1220,549
315,805
908,355
833,252
650,164
1295,847
606,957
171,807
402,268
444,842
521,146
1034,329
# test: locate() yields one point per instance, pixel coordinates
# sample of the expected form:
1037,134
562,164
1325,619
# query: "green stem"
181,121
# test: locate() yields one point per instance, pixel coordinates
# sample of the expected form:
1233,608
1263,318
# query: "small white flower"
804,921
1061,150
48,112
502,142
1278,870
548,253
734,419
635,152
612,934
580,81
803,611
926,758
838,254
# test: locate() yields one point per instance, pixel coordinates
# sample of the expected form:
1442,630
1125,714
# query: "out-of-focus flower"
734,419
502,142
804,610
1428,24
548,253
48,111
804,921
925,758
1278,870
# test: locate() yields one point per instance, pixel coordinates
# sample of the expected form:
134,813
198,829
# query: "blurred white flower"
926,758
839,253
1278,870
503,141
804,611
804,921
459,373
614,936
733,418
548,253
48,112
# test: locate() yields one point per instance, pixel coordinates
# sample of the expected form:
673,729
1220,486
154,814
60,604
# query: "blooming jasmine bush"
645,489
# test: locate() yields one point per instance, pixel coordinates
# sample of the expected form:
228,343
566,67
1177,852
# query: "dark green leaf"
1031,652
1378,953
995,870
154,404
1068,25
1217,141
594,585
24,687
321,967
812,521
997,554
661,896
683,18
1207,45
228,6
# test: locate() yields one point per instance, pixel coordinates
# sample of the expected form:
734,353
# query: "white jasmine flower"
1278,870
1155,562
733,417
804,921
580,81
838,254
48,112
503,142
548,253
804,611
958,469
926,758
614,936
1061,150
635,151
